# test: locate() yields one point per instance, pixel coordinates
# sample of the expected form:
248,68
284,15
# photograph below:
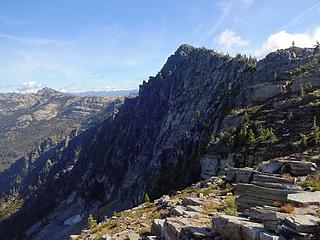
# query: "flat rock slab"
191,214
251,195
178,211
307,210
259,177
271,219
268,236
304,197
290,233
298,168
303,223
195,232
192,201
186,228
270,167
236,228
244,175
277,185
126,235
194,208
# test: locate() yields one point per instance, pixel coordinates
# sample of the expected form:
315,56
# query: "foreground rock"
199,212
187,228
236,228
273,205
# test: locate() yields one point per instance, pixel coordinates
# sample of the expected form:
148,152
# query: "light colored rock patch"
305,197
73,220
47,112
25,118
263,91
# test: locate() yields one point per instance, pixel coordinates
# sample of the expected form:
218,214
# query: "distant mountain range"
115,93
28,119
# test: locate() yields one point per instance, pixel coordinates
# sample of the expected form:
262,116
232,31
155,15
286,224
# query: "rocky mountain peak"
47,92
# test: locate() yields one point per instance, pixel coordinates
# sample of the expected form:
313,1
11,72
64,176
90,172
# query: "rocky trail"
268,202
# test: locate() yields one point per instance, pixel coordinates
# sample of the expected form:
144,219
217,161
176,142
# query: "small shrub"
209,190
287,208
313,182
316,131
198,116
235,112
231,207
306,87
211,206
212,141
245,136
228,136
246,117
91,222
267,134
272,136
303,140
9,206
287,176
317,135
302,91
146,198
226,166
251,137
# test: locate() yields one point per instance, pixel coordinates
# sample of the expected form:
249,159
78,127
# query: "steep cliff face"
160,131
153,145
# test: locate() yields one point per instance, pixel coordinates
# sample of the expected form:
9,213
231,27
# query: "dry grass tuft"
287,208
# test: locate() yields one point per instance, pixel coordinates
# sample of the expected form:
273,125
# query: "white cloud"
225,8
96,89
229,39
27,87
37,41
284,39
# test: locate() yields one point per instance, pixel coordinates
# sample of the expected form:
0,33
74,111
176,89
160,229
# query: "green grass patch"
230,207
314,182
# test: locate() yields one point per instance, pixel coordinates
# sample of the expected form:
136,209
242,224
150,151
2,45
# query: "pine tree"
146,198
316,130
303,140
271,135
251,137
314,126
302,91
91,222
246,117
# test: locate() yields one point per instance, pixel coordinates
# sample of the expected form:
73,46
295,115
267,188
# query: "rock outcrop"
280,206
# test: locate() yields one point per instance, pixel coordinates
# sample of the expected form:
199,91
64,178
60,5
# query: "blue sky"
79,45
